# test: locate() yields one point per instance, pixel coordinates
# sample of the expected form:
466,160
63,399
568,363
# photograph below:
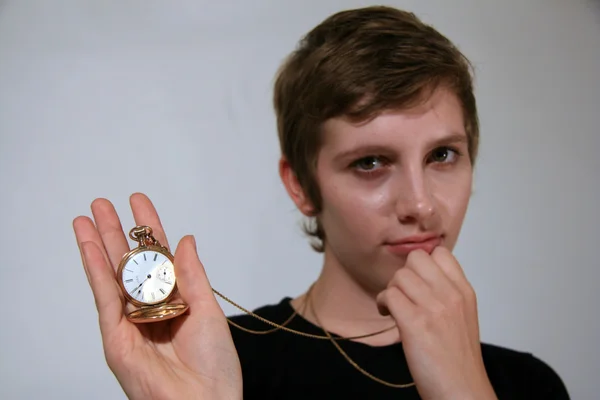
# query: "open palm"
192,356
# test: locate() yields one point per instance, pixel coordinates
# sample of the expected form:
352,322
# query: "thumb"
192,281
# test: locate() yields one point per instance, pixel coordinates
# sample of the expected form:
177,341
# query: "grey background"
90,88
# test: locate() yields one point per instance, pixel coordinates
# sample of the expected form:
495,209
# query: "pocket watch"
146,276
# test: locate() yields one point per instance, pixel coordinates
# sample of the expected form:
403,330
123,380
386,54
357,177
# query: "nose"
414,202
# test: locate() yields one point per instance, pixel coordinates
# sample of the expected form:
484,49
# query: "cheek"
452,200
461,197
358,210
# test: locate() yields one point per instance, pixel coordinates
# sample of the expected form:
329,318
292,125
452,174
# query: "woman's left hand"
435,309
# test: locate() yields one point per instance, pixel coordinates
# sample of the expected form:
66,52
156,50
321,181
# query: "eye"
444,155
369,163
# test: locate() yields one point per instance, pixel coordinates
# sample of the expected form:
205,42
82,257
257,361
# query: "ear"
295,191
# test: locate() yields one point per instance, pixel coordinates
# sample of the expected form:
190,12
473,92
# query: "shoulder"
512,371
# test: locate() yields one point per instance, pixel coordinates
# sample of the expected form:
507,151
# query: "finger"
192,281
85,231
104,286
87,274
110,230
428,269
393,301
451,268
144,213
416,290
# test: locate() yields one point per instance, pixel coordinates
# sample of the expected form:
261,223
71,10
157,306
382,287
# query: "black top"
282,365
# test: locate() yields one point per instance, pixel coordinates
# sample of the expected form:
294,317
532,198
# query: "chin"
379,278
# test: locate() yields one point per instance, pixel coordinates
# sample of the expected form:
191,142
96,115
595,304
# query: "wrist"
481,390
485,391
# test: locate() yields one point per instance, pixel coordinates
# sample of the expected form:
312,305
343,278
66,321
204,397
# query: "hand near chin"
435,309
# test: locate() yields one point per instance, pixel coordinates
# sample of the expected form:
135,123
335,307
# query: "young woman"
378,129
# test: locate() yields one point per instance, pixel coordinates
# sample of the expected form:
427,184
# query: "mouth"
404,246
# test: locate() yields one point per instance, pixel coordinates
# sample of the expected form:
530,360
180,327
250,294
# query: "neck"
344,307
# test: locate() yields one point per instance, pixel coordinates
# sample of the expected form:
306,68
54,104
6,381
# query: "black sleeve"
544,382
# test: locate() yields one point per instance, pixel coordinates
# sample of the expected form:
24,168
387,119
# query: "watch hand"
140,285
144,281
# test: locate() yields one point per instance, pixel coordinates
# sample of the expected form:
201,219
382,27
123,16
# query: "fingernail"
383,310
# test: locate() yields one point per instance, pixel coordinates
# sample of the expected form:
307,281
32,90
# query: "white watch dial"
149,277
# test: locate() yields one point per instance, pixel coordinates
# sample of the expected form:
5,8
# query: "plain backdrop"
107,98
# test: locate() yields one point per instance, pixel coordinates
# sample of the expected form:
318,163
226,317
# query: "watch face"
148,277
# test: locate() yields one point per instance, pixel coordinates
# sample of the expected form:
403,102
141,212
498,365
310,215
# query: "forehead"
439,116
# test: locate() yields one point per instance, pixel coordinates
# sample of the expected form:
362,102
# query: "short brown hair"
359,63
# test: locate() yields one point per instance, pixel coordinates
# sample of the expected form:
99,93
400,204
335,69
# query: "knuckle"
440,250
383,298
470,294
399,277
438,309
437,251
415,255
439,254
456,299
390,295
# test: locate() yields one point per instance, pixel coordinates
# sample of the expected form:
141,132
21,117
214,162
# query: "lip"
403,247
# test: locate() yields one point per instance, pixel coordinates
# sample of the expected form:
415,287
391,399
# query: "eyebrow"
451,139
361,151
379,149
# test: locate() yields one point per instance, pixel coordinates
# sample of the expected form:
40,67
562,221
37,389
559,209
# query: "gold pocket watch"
146,276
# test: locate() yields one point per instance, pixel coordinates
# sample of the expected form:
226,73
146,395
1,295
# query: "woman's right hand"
191,356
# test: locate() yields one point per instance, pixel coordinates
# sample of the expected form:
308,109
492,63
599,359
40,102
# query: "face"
399,182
